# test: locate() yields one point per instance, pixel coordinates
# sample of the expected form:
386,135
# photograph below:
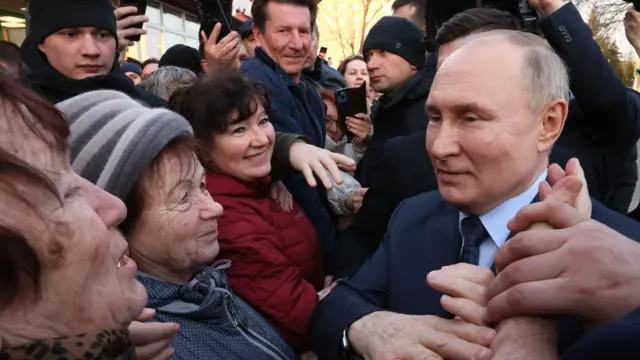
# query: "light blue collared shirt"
495,221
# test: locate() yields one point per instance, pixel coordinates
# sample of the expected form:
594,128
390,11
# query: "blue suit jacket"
617,340
422,236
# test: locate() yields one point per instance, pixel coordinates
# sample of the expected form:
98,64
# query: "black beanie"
182,56
49,16
399,36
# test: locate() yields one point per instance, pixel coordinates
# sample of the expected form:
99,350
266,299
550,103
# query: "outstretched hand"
310,160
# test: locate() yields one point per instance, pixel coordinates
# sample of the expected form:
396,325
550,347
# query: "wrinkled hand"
282,196
309,159
525,338
227,49
466,288
353,202
388,336
547,7
632,27
125,18
152,340
360,127
580,267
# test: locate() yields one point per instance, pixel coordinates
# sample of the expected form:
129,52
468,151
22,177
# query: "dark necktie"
473,234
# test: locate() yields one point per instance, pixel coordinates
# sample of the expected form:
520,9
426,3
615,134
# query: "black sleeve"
364,235
280,164
611,110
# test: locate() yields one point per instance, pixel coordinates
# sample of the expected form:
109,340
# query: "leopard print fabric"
103,345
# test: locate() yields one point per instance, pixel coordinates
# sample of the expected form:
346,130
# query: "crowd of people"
215,204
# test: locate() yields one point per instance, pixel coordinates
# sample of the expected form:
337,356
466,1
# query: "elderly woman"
68,287
147,158
276,255
167,79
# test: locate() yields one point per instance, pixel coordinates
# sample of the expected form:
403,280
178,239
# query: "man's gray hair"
167,79
545,76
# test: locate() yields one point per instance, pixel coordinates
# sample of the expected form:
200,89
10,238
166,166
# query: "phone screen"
211,12
351,101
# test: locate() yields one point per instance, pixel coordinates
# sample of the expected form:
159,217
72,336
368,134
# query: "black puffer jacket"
55,87
399,113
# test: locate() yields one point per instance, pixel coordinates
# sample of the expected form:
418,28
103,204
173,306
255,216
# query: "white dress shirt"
495,221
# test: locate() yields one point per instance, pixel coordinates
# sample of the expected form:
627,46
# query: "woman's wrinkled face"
244,150
176,234
73,232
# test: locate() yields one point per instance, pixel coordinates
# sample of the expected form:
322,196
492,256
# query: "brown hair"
342,68
260,15
18,261
475,20
135,201
209,104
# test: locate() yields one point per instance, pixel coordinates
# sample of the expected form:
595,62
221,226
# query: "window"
167,26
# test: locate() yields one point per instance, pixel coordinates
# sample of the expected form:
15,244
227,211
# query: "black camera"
437,12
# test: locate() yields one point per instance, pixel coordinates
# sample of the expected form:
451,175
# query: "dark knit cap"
49,16
399,36
182,56
115,138
246,29
131,67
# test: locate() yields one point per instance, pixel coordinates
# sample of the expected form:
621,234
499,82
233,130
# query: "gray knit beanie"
114,138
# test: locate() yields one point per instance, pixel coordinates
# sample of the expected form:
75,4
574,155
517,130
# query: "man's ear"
551,123
205,65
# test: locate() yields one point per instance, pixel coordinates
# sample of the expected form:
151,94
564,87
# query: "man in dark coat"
317,71
489,144
395,57
296,107
61,65
406,171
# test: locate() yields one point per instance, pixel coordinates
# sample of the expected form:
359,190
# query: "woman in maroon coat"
275,254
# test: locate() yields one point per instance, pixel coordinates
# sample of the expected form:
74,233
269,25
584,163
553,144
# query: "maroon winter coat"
276,260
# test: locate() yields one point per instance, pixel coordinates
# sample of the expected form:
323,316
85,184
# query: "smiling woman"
58,239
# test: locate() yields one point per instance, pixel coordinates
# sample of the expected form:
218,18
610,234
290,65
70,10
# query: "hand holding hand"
152,340
282,196
360,127
466,288
309,159
126,18
227,49
354,201
578,267
388,336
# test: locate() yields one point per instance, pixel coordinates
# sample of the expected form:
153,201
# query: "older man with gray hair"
167,79
492,124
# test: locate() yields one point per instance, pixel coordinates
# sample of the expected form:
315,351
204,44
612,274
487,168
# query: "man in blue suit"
492,125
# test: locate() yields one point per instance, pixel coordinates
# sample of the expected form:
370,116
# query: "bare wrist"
554,6
357,333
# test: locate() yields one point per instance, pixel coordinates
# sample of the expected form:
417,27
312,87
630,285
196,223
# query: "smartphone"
142,9
351,101
211,12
